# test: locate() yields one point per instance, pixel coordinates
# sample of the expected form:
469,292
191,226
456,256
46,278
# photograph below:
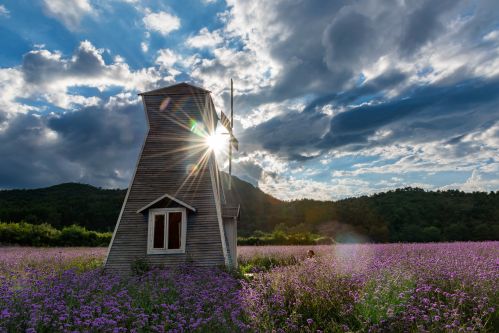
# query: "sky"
333,99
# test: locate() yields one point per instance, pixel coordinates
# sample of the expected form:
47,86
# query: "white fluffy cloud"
167,58
4,11
48,76
161,22
265,112
475,183
205,39
69,12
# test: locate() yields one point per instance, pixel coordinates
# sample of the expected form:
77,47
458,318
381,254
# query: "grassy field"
438,287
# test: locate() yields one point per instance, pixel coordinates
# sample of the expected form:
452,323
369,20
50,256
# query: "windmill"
171,214
229,125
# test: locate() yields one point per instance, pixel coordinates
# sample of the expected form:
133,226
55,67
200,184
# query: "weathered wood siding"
166,163
230,228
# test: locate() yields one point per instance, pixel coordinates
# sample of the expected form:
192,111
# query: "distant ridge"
403,215
63,205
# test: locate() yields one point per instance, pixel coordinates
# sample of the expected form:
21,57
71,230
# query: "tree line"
402,215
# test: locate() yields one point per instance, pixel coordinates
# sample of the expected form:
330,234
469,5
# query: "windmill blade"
230,167
225,122
232,138
234,143
231,103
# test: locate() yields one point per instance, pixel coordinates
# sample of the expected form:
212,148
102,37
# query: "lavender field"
344,288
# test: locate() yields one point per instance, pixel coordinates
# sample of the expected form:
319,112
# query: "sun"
216,142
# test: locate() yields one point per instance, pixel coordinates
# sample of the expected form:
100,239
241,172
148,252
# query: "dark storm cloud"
290,135
329,42
96,145
362,93
293,134
434,111
326,50
428,113
423,24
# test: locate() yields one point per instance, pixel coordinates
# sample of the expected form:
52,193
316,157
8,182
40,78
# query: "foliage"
403,215
140,266
283,235
63,205
45,235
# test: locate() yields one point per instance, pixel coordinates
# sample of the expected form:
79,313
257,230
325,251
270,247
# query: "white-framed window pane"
174,230
159,231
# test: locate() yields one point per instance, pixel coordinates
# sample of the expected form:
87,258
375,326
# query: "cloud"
4,11
401,83
366,69
431,111
264,112
59,122
252,74
291,135
205,39
329,48
70,13
96,145
492,36
11,88
49,75
167,58
332,99
477,182
161,22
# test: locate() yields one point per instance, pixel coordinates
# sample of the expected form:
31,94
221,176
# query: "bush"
140,266
26,234
280,237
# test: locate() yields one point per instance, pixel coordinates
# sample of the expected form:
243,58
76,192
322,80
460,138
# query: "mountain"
409,214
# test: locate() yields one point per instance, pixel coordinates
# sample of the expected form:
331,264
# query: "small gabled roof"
176,88
180,202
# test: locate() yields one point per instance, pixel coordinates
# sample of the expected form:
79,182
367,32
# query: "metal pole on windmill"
230,136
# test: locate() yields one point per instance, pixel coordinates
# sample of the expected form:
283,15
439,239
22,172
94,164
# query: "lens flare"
215,142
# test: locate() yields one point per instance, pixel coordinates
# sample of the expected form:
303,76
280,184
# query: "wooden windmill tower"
174,211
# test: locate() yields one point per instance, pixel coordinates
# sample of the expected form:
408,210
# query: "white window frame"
150,233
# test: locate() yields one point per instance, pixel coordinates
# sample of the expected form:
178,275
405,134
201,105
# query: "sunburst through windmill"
175,211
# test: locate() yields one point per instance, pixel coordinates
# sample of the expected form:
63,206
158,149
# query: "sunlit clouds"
161,22
332,100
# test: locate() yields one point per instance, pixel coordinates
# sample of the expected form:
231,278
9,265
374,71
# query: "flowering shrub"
175,300
344,288
16,261
380,288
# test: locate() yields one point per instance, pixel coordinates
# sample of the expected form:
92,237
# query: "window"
167,229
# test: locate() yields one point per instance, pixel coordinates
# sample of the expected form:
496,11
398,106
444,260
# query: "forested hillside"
63,205
405,215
